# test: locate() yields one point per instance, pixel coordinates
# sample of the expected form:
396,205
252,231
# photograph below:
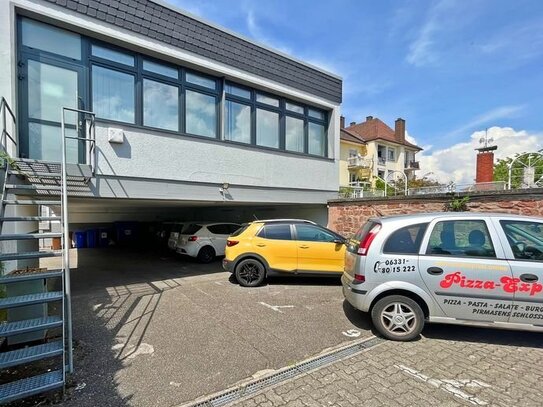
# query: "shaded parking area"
158,330
153,329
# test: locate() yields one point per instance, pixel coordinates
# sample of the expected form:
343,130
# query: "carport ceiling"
120,204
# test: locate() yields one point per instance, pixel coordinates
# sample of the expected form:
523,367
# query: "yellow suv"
290,246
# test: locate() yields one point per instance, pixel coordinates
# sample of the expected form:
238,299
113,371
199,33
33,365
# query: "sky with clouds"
451,68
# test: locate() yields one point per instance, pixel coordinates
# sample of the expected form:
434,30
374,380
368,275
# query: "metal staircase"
38,365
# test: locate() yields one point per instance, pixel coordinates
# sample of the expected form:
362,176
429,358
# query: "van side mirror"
339,241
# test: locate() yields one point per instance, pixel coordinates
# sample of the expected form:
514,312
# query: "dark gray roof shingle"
162,23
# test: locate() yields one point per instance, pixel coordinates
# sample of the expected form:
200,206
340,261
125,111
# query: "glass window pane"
317,114
317,139
238,122
267,100
160,105
267,128
294,134
201,114
294,108
160,69
275,232
406,240
525,239
309,233
44,143
237,91
200,80
51,39
461,238
49,89
112,55
113,94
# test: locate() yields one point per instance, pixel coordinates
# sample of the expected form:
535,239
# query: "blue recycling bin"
80,239
91,238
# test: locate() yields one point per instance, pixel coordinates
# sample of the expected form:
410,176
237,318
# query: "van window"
525,239
406,240
461,238
275,232
354,242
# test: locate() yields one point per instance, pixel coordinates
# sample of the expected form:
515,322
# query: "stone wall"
346,216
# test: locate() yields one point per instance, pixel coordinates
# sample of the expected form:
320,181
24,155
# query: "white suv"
205,241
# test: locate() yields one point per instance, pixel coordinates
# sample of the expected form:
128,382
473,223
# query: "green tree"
501,168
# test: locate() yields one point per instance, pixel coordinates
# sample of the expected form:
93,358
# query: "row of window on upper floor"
132,88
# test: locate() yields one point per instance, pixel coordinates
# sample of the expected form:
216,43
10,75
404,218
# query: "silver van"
463,268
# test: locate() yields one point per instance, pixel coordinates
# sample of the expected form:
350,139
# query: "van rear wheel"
398,318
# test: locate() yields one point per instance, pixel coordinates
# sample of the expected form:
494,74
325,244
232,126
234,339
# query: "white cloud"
457,163
519,42
422,49
259,35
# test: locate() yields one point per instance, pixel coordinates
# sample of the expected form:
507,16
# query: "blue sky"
449,67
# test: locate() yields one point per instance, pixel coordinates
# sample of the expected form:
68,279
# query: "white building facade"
183,108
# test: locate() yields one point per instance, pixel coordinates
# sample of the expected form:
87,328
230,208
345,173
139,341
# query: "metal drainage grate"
230,395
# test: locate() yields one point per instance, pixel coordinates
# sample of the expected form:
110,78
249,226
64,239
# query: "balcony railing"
412,165
359,162
352,192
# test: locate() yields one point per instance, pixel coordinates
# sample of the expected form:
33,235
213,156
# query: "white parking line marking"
449,386
276,308
352,333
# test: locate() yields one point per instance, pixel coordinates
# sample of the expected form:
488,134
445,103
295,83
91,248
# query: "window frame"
289,226
501,224
420,238
327,231
88,61
492,238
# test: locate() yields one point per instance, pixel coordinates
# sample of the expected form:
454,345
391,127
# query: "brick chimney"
352,123
341,122
368,118
485,164
399,130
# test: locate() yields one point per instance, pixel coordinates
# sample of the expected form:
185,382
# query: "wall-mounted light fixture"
224,188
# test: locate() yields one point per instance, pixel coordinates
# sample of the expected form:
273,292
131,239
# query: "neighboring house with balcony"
387,150
355,166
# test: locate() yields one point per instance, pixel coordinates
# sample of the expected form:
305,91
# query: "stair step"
28,255
34,187
30,202
30,299
16,278
30,354
29,325
31,386
30,236
35,174
28,218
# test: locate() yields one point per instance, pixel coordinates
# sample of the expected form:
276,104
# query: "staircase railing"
4,110
88,123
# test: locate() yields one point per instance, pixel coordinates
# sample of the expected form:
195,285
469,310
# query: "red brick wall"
485,167
346,217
